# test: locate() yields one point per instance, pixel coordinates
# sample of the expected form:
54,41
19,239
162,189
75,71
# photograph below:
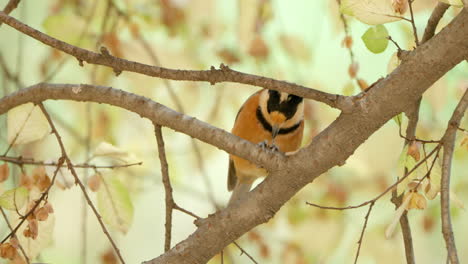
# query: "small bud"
347,42
353,69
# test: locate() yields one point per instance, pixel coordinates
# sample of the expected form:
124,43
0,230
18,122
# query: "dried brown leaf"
4,172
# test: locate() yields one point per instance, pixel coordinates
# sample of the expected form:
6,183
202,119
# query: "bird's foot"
264,145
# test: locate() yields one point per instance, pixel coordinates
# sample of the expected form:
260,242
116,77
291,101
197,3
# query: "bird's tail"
239,192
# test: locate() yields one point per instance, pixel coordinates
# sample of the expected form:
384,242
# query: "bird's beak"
274,131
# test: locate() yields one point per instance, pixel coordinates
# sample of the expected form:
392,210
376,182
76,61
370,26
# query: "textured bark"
371,109
224,74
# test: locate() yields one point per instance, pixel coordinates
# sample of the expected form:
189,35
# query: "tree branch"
145,107
413,118
288,175
70,166
11,5
366,219
448,143
413,22
167,186
433,21
224,74
20,161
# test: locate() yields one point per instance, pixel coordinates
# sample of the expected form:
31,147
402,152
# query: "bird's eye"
289,98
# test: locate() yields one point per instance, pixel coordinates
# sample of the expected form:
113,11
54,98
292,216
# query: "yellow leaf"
14,199
396,218
417,201
26,123
458,203
372,12
453,2
114,204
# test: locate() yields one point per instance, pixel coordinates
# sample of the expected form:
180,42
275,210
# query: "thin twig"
36,204
366,219
78,181
394,42
27,161
448,143
11,229
185,211
381,194
413,23
167,186
213,76
433,21
84,208
245,252
413,118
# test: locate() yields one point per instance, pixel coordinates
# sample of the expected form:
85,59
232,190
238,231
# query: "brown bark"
373,108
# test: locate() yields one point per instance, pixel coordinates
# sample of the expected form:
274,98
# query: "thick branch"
448,143
224,74
147,108
332,147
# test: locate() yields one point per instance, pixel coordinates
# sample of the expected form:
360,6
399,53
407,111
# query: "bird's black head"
283,103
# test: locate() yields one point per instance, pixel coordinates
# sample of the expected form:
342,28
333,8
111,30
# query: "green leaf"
114,204
376,38
407,162
372,12
14,199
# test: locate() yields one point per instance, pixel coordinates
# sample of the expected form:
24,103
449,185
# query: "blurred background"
299,41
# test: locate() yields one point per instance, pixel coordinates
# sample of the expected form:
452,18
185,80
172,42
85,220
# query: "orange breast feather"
248,127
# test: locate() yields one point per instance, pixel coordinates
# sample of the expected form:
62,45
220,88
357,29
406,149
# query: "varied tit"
269,118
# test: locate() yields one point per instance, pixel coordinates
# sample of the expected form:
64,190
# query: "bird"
271,119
